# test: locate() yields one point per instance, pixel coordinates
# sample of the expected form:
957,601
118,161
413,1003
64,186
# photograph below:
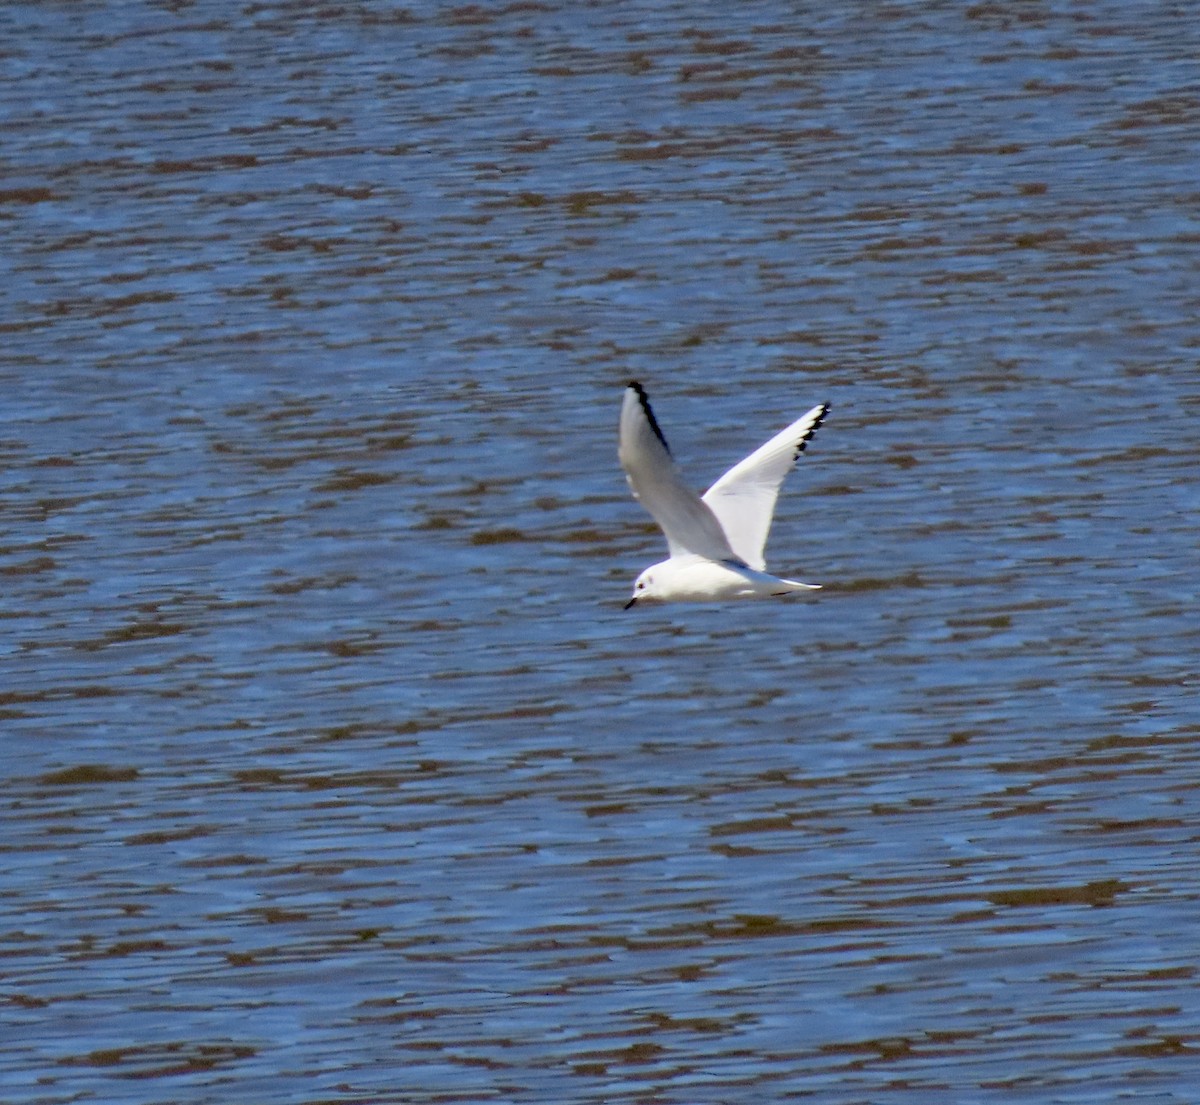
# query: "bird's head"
643,588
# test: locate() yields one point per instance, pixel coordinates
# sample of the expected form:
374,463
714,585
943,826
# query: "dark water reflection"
334,771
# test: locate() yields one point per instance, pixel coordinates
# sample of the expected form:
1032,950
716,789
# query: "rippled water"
334,771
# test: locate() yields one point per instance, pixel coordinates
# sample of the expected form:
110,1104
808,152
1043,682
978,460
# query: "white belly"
708,581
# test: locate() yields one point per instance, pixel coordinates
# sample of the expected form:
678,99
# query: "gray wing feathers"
744,498
689,524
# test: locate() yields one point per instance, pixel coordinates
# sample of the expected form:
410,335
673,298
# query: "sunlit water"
333,770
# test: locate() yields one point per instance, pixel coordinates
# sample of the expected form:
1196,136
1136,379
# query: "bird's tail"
795,585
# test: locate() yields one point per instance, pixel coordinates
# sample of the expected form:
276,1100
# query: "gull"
716,540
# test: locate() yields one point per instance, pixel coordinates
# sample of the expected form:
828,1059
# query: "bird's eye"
641,586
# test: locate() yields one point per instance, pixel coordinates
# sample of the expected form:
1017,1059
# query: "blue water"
334,771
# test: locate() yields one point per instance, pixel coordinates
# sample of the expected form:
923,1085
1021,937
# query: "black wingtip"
812,429
644,399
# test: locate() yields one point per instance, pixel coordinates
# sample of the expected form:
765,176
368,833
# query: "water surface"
334,771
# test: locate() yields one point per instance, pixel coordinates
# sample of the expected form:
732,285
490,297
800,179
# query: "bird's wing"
690,526
744,498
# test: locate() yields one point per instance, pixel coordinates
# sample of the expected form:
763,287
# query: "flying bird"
716,540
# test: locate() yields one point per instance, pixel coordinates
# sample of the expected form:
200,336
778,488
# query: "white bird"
716,540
